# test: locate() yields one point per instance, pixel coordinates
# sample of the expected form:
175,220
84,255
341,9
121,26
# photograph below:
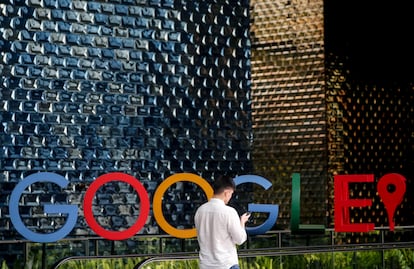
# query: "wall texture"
332,94
289,103
153,88
148,88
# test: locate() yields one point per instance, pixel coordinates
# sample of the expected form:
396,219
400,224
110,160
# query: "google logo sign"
72,210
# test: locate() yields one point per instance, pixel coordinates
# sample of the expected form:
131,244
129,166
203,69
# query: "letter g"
272,210
70,210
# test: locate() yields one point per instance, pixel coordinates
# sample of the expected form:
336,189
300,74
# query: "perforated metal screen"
288,103
153,88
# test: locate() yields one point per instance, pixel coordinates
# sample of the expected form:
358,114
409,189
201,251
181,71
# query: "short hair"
223,182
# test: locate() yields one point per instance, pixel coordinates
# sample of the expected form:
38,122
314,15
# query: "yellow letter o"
157,202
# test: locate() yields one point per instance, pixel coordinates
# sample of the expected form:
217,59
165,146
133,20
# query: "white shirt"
218,232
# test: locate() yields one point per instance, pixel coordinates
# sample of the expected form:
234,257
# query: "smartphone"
250,219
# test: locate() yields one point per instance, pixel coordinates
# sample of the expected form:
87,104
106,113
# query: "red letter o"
144,206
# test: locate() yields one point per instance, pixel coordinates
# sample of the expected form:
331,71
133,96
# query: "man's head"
223,187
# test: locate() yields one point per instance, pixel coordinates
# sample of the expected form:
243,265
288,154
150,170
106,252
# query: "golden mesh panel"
288,103
320,108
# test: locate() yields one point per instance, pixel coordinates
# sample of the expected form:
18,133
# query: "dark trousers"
236,266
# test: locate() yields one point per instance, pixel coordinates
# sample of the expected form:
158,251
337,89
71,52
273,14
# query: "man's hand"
244,218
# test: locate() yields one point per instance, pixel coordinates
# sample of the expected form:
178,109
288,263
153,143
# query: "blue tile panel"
148,88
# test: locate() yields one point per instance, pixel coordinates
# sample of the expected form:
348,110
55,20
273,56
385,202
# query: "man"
219,228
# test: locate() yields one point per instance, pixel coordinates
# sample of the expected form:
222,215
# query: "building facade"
154,88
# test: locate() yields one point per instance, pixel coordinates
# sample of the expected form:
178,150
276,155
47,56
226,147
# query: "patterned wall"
152,88
371,133
288,103
370,97
146,87
331,94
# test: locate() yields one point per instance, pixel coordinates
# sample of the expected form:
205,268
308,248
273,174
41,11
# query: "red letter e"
343,203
